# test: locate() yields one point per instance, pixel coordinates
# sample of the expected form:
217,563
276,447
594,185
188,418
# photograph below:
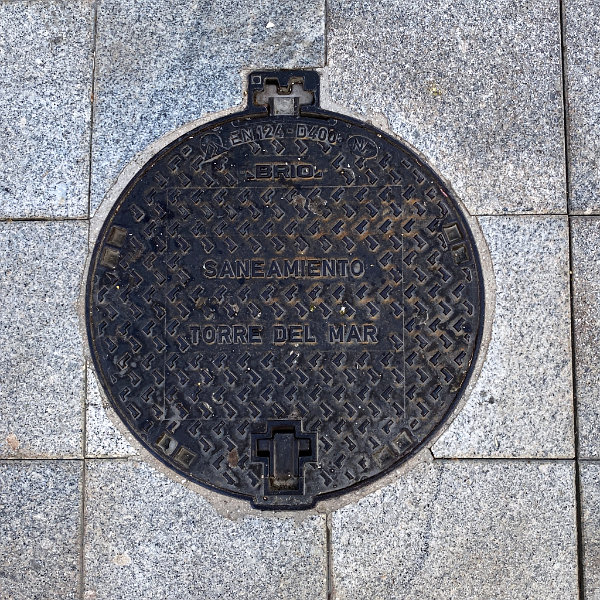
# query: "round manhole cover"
285,303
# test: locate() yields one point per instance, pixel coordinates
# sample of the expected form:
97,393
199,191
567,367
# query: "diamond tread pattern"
195,404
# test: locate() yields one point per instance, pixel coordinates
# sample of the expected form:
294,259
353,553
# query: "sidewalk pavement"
502,98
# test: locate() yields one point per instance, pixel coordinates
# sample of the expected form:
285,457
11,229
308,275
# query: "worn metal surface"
285,303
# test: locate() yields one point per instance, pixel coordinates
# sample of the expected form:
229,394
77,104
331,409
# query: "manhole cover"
286,303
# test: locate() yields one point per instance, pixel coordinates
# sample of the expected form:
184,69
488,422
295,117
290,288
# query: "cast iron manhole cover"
284,303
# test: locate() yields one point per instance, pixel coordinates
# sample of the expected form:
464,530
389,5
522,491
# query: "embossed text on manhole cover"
285,303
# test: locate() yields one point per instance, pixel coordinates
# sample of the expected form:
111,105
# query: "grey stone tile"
458,530
150,537
582,44
522,403
165,63
41,361
39,529
476,86
45,108
590,503
102,438
586,314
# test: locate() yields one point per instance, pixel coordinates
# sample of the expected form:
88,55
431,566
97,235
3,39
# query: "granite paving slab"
590,499
39,529
585,233
476,87
458,530
102,438
45,107
149,537
522,403
41,357
582,49
162,64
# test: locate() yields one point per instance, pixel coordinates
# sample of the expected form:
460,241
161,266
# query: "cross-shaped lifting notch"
283,449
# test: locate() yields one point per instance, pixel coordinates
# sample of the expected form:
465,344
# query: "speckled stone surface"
586,308
522,404
165,63
582,37
468,530
45,108
475,86
102,438
41,356
39,530
149,537
590,499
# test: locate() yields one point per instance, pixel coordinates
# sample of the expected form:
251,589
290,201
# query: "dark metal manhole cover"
284,303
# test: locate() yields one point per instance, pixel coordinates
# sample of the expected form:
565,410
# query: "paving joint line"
82,509
42,219
522,214
325,33
507,459
14,459
92,107
578,486
329,550
59,219
82,505
567,156
86,364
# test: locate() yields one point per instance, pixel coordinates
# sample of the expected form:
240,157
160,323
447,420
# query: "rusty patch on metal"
286,303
